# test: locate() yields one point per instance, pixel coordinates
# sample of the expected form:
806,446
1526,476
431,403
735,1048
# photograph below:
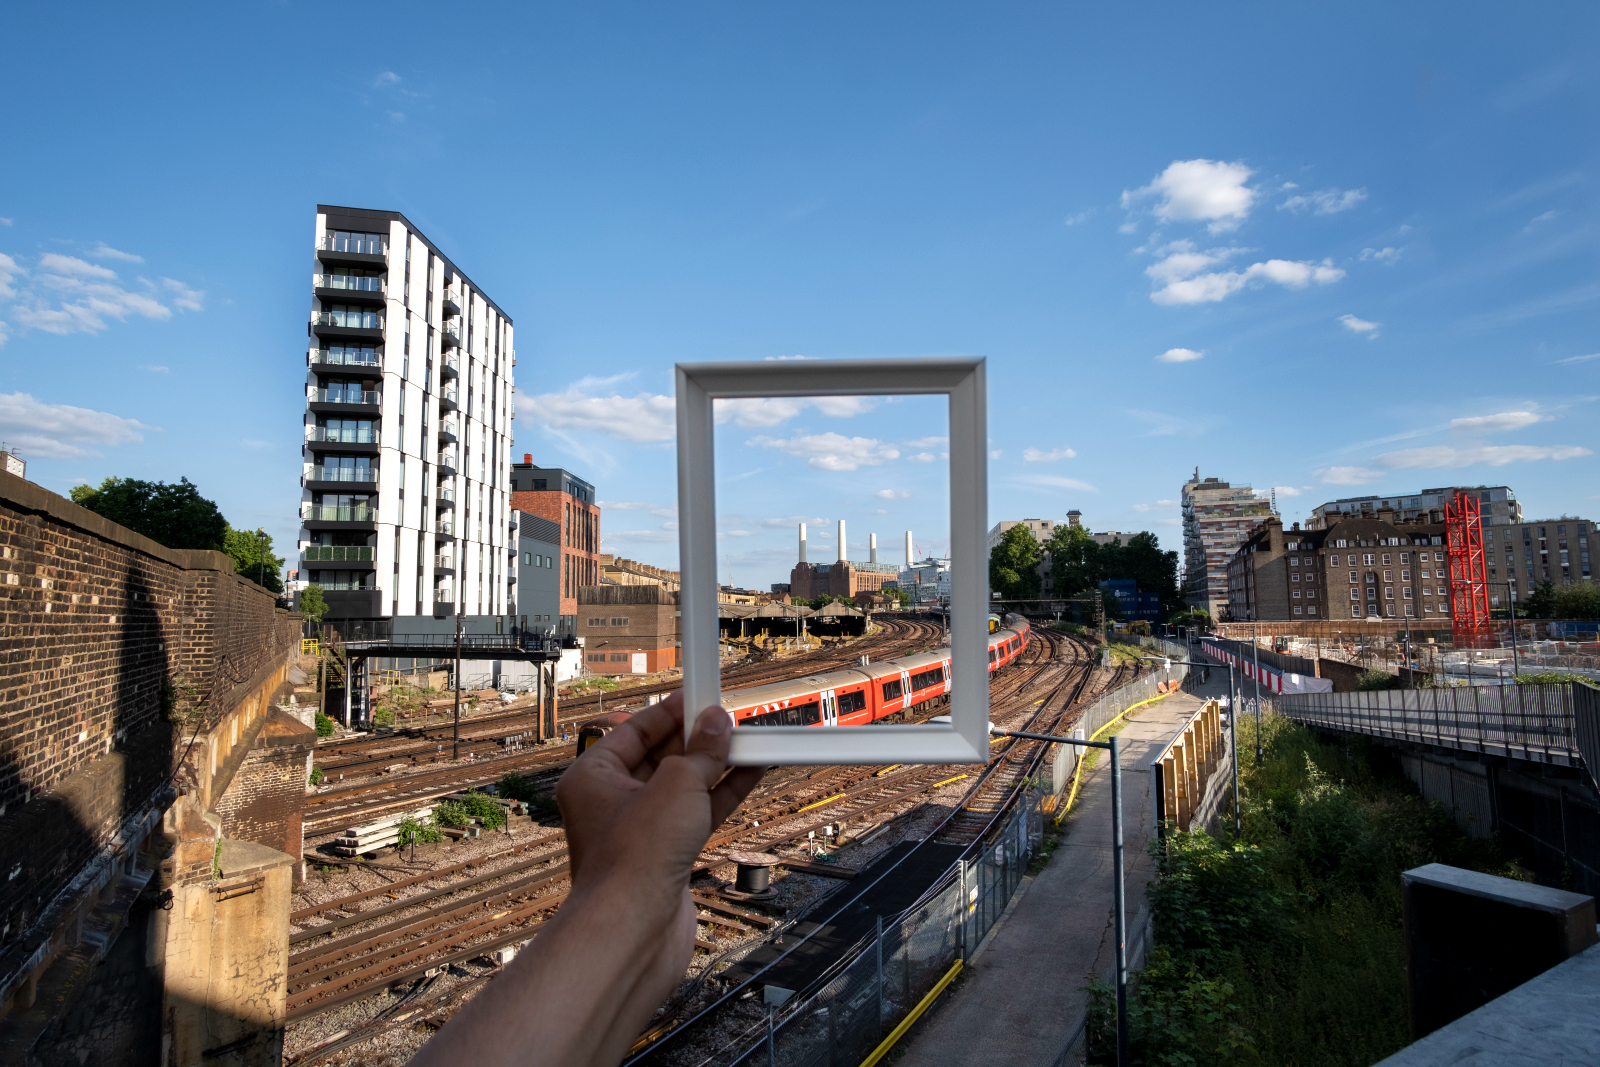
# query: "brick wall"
129,668
265,800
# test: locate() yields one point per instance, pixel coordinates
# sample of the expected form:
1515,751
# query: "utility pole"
455,731
261,556
1255,645
1233,742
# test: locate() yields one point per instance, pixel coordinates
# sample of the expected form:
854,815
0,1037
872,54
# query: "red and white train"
855,696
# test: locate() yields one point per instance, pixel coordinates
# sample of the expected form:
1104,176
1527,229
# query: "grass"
1285,947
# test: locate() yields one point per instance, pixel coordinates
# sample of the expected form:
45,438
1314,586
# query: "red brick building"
628,629
567,500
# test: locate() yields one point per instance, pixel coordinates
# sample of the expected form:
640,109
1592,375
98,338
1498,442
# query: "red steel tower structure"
1469,579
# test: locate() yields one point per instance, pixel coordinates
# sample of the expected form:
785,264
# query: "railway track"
471,908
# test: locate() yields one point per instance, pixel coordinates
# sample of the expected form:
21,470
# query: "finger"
731,790
635,735
707,747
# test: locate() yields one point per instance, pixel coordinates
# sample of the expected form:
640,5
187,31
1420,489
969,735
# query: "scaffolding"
1469,579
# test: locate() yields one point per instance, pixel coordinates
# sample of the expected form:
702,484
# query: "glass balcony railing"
344,396
446,494
343,474
364,246
335,513
452,299
447,459
444,594
447,426
444,563
344,281
339,554
350,320
345,435
448,394
451,366
334,357
447,528
346,582
450,336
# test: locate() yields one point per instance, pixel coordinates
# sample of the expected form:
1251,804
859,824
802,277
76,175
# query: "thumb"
707,747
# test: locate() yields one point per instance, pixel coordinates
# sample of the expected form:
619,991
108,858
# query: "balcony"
445,499
362,325
447,432
447,398
449,336
450,367
444,564
331,516
339,554
445,530
353,252
362,441
451,301
441,608
447,462
344,401
332,361
322,477
345,289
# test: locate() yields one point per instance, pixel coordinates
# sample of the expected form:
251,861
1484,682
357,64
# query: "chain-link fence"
841,1023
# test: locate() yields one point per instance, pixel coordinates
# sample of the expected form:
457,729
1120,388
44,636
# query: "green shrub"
383,717
1375,679
422,832
317,776
487,810
324,725
515,786
1551,678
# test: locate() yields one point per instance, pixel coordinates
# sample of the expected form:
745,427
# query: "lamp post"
1255,648
455,729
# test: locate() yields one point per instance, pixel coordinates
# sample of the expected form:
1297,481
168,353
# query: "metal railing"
445,494
360,246
337,513
345,396
350,320
343,474
446,528
1531,722
346,359
451,364
446,459
451,334
338,554
452,295
346,282
444,563
354,583
344,435
448,394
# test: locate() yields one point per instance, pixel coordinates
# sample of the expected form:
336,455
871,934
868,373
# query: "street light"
261,556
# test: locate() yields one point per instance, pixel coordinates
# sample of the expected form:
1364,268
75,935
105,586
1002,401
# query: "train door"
830,708
905,690
947,685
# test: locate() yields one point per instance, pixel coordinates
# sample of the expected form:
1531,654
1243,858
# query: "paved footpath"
1021,1000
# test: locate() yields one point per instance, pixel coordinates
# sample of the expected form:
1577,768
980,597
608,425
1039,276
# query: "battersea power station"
842,578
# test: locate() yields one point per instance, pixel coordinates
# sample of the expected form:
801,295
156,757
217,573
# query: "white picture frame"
965,739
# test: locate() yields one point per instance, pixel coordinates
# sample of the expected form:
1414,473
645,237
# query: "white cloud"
1347,475
891,494
183,297
71,295
750,413
1287,490
734,533
105,251
926,442
73,266
658,510
155,368
1559,362
922,457
60,431
1505,420
645,417
1163,425
1082,216
7,222
1548,216
397,117
1055,481
8,271
1435,456
832,451
1179,355
997,453
814,523
1380,255
781,359
1200,190
5,334
1209,288
1360,326
386,79
1325,202
1157,504
1033,455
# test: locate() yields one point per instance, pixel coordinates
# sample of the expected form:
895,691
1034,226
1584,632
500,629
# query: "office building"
1217,517
409,400
1042,530
1497,504
536,597
1521,558
568,501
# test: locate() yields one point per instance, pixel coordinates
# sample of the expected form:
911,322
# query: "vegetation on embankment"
1285,948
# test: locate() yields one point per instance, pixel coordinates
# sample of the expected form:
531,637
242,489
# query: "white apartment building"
1042,529
1217,518
407,441
1497,504
927,580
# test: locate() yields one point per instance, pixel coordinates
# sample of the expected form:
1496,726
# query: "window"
1294,561
1405,593
1438,557
597,622
1372,576
527,559
1388,576
1388,592
1295,577
619,657
927,678
1353,577
1296,594
596,657
1405,557
850,703
797,715
1311,609
1368,560
1389,610
891,690
1405,576
1297,609
1355,594
619,621
1372,592
1311,594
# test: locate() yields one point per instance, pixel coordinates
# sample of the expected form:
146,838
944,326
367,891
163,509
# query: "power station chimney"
872,547
842,556
802,542
909,560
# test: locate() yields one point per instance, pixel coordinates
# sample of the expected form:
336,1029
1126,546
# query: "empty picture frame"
965,739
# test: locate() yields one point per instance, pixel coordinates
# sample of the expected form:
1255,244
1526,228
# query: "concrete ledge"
1554,1018
241,858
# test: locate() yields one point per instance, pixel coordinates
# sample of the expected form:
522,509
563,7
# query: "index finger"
635,737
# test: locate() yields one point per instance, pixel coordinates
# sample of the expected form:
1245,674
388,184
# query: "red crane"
1469,579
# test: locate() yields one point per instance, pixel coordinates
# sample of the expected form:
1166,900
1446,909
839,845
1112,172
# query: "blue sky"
1316,249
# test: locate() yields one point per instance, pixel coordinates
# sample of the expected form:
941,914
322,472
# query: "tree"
246,548
312,606
1142,560
1074,560
173,515
1013,563
1541,603
1579,601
